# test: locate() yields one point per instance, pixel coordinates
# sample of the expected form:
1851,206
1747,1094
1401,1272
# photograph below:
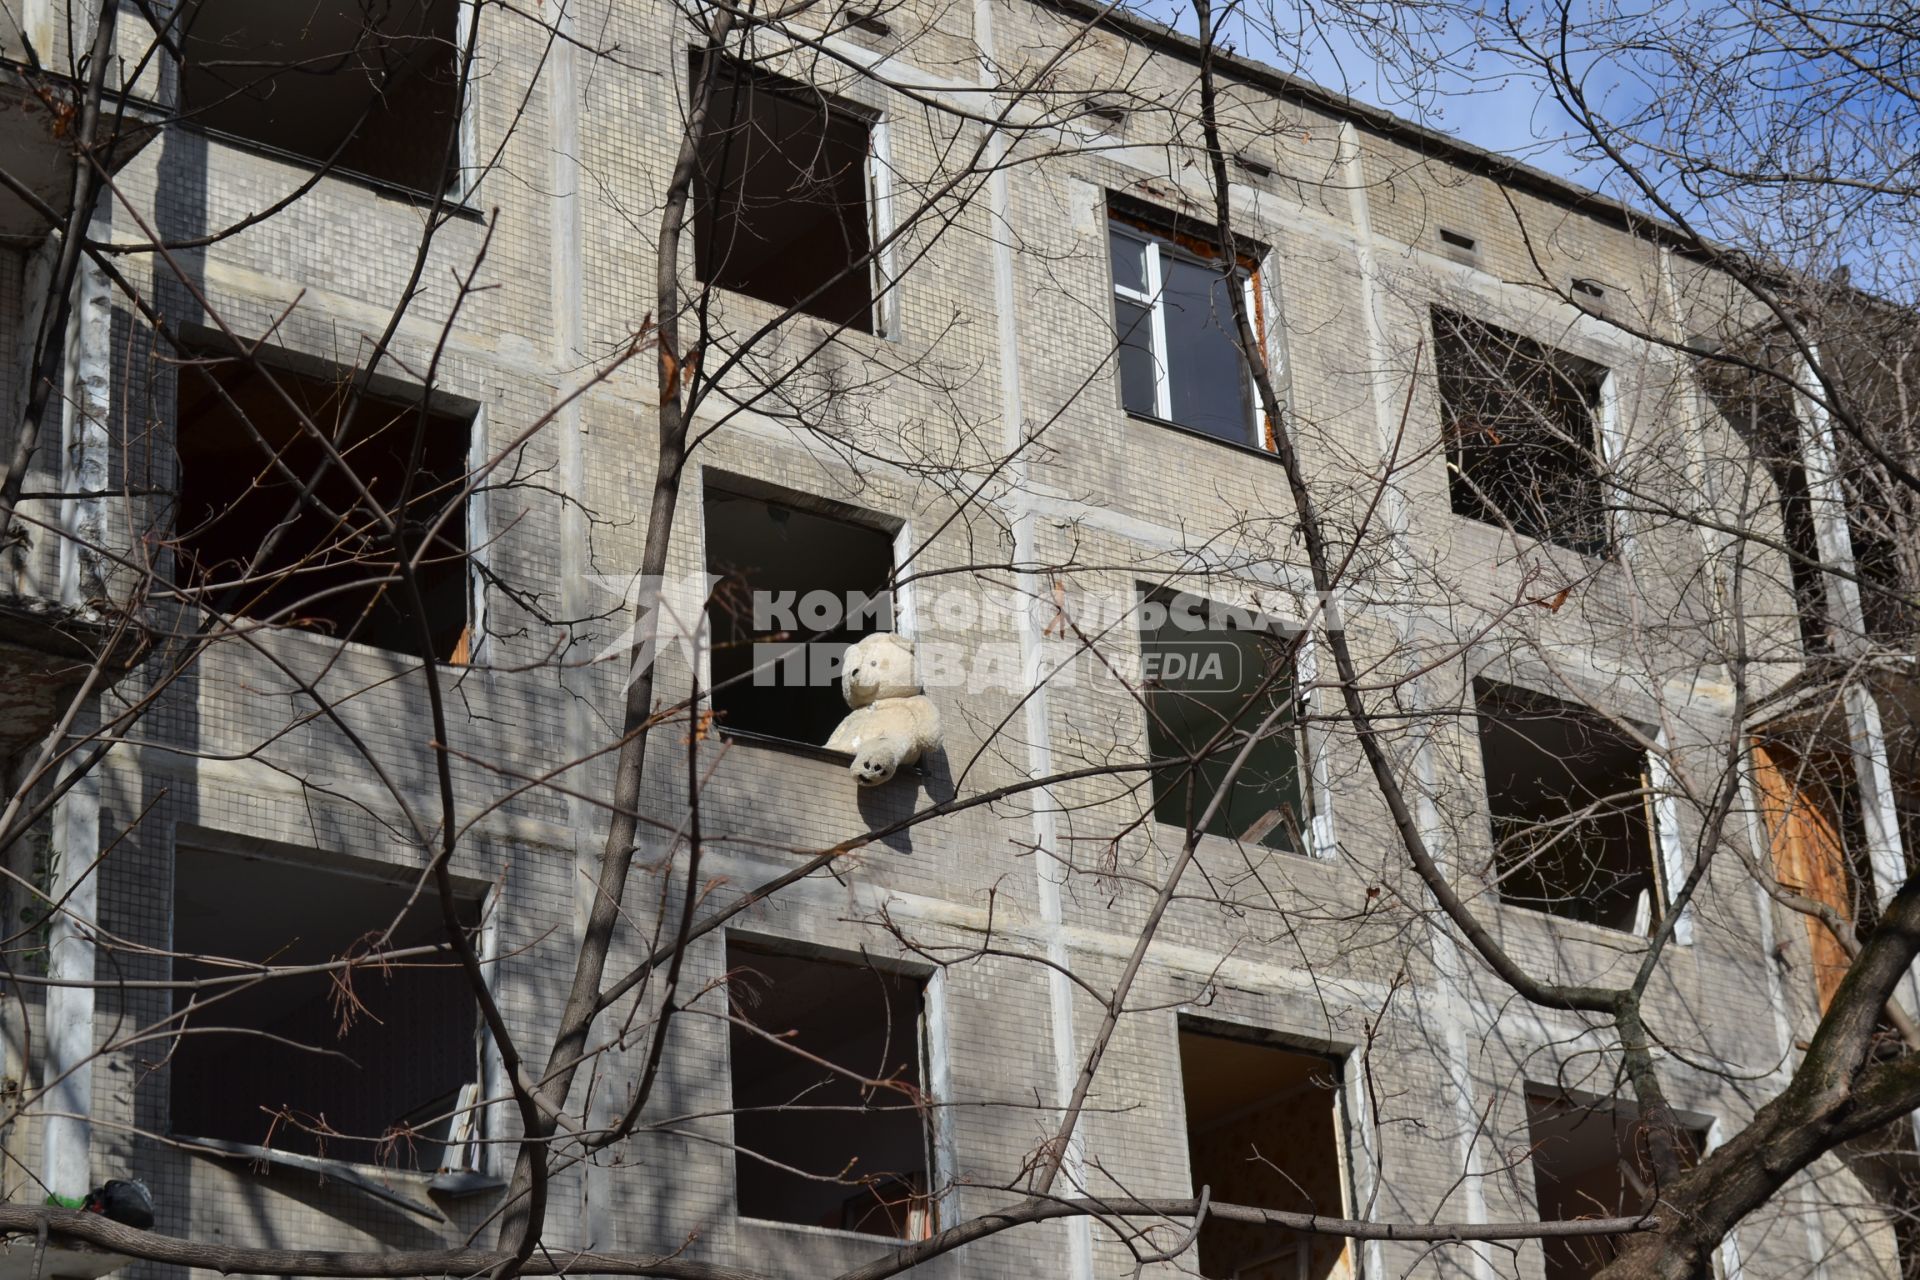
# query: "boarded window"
1592,1161
1263,1129
1213,676
292,1062
796,588
1520,432
827,1082
782,200
1811,802
1567,793
1179,351
371,89
244,457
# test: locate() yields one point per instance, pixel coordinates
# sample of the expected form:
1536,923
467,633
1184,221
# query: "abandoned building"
1035,387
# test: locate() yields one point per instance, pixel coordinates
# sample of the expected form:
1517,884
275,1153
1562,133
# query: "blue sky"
1479,97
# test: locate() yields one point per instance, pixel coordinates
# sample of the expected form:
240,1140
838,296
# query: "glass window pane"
1209,379
1129,261
1134,327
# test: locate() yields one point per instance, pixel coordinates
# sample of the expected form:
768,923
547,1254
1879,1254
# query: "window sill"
1167,424
1606,553
454,206
811,751
825,1233
1181,832
1587,930
403,1188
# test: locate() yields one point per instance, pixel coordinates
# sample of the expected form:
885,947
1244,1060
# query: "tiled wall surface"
1338,953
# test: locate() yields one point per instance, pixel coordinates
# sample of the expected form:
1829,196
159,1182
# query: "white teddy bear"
892,723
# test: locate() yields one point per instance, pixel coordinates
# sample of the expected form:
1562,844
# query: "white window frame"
1153,299
466,175
1669,844
882,269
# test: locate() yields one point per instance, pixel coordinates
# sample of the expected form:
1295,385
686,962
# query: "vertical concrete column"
67,1077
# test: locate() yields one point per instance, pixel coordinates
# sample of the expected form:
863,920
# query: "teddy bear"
892,723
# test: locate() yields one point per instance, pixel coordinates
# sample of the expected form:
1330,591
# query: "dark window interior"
250,1073
772,681
321,575
1519,420
1207,377
841,1146
1591,1161
781,196
371,88
1565,787
1263,1126
1202,667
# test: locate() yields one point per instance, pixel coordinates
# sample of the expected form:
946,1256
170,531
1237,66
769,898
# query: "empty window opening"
1760,408
796,588
1520,418
293,1063
1179,350
1811,799
1592,290
829,1114
373,89
869,22
1592,1161
782,196
1567,793
1456,239
1264,1128
336,576
1209,672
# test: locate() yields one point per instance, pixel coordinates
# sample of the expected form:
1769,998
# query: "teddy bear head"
878,666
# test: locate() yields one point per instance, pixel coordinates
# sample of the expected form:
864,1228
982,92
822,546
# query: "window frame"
274,362
463,178
1309,763
372,1178
1665,846
883,279
932,1054
1160,237
899,534
1346,1107
1598,390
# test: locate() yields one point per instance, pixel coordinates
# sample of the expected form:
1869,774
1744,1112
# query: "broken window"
1520,417
1179,351
782,196
826,1060
244,456
373,89
1811,800
1264,1129
796,588
1567,792
1214,675
377,1065
1592,1161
